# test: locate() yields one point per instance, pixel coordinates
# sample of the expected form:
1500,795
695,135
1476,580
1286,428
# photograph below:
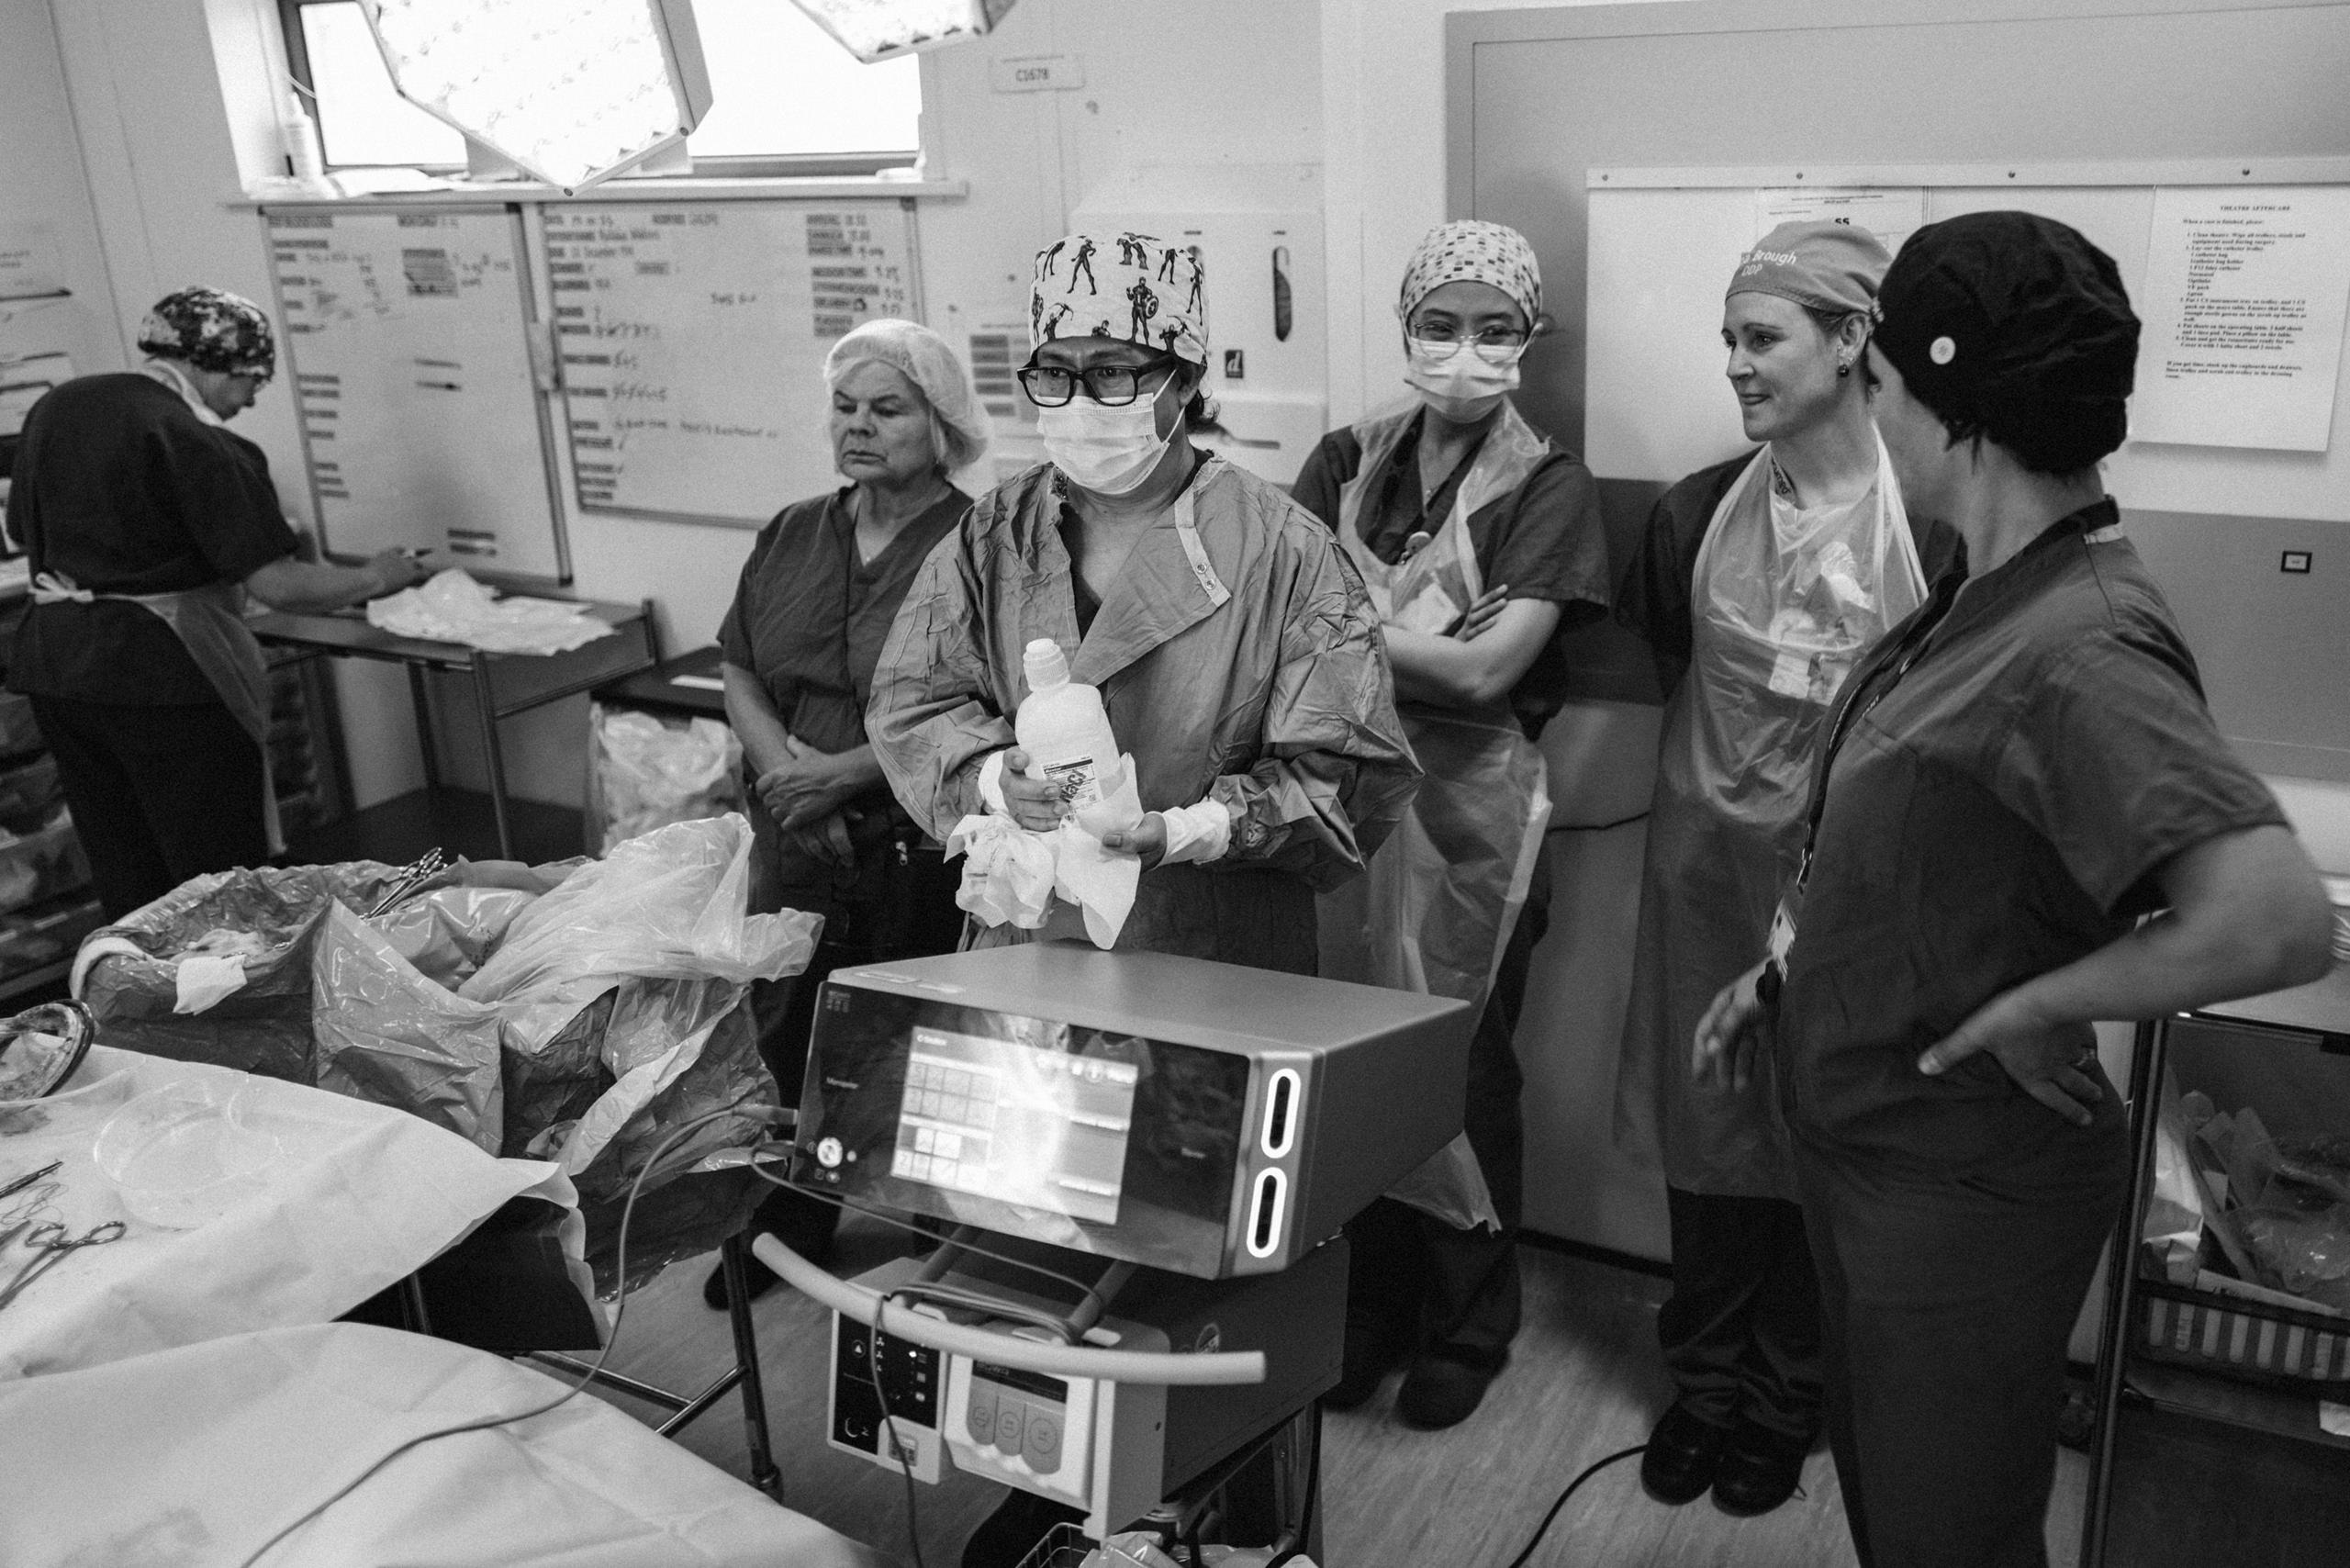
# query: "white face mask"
1463,385
1107,450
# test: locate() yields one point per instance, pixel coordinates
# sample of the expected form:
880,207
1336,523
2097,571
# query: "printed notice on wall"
2246,292
1890,213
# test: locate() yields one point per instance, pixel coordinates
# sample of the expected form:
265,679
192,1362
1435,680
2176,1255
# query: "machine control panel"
1034,1431
908,1376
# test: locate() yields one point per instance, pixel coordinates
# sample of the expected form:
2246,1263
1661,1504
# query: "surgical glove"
1197,833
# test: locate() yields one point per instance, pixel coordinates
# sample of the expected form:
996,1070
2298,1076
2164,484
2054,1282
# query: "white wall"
41,180
1383,104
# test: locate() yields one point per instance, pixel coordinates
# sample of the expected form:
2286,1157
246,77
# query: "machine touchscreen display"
1037,1127
1084,1137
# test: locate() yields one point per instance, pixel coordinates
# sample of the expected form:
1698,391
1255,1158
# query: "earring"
1843,368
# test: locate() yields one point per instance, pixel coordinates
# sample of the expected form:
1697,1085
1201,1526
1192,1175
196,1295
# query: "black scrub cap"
2013,326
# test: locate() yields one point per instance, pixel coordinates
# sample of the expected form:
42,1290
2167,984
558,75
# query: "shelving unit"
2201,1467
46,906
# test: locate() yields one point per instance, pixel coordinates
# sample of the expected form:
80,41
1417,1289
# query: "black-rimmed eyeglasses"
1113,385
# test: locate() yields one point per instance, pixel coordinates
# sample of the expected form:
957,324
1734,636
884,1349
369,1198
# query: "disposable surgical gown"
1255,675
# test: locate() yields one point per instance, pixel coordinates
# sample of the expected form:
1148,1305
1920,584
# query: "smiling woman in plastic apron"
1803,558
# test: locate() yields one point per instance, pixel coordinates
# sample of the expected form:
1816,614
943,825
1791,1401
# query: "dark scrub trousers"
1741,1333
808,620
120,489
1414,1279
2007,773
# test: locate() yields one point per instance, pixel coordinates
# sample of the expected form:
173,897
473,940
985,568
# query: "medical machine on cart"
1146,1159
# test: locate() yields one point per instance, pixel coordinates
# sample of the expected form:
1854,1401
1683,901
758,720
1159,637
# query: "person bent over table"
2013,782
146,523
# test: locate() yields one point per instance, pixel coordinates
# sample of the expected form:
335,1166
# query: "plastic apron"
210,624
1435,909
1784,604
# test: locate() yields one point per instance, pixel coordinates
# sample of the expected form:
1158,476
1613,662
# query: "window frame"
761,166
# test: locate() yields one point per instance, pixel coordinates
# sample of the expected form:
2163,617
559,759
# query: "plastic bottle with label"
1063,727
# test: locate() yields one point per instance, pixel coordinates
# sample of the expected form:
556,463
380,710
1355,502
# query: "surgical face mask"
1107,450
1459,382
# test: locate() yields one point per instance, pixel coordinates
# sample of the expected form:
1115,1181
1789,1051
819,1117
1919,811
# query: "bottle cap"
1044,663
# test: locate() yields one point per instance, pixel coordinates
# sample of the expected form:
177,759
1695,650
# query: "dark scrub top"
1545,539
1658,591
121,488
2017,762
808,618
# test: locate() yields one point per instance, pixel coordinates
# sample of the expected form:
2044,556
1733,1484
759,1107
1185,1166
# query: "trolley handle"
859,1305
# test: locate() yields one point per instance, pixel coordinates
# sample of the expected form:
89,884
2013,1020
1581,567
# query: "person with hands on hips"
147,525
2023,820
817,596
1481,542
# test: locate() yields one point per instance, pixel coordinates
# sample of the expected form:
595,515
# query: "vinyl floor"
1584,1381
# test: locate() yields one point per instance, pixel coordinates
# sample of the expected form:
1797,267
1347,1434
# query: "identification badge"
1783,934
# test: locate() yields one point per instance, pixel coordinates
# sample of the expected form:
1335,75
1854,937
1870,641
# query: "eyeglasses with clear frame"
1495,345
1112,385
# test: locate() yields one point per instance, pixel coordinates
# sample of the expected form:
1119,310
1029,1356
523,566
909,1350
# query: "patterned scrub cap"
212,330
1472,250
1126,285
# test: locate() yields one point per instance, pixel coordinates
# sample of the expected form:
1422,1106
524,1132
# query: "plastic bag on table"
669,905
388,1033
127,973
449,933
656,1054
645,771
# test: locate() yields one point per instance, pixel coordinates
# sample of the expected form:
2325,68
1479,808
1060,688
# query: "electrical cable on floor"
620,1311
1589,1471
889,1426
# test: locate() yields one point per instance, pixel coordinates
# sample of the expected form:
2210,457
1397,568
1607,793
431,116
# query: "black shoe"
1682,1457
1372,1351
1442,1390
805,1224
1758,1470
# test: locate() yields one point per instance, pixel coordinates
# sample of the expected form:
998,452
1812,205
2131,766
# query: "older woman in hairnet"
810,616
1481,540
1236,653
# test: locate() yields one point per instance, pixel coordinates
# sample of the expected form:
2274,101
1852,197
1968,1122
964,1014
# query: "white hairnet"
922,358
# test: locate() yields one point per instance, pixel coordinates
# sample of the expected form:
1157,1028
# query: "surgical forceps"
52,1243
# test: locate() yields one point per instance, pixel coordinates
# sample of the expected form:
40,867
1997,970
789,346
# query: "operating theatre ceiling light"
569,91
878,29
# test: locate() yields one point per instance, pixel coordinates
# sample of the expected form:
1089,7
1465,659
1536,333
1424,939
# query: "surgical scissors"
52,1243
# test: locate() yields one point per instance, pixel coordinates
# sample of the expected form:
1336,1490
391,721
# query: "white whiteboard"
693,335
408,350
1658,406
